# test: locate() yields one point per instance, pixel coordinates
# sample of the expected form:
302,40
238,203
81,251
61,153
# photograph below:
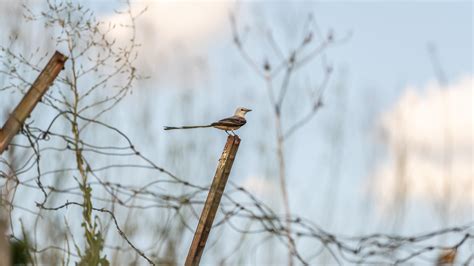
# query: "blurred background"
362,123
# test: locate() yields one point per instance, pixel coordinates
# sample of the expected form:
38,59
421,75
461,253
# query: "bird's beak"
247,110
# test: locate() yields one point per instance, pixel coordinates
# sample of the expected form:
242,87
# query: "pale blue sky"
389,44
386,53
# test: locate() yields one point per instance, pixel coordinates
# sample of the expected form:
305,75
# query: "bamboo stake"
32,97
213,200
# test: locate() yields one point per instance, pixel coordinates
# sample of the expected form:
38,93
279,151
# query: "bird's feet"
230,134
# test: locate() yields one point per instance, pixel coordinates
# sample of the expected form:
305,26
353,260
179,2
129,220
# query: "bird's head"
241,111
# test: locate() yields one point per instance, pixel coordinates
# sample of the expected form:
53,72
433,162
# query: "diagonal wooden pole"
32,97
212,202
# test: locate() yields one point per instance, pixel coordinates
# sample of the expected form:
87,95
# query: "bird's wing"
231,121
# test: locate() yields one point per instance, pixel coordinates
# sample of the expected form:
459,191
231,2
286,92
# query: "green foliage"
20,254
92,233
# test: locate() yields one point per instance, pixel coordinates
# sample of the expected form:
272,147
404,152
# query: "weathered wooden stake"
212,202
32,97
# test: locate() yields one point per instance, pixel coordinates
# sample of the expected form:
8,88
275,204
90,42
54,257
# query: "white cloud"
259,185
430,141
174,35
423,119
168,21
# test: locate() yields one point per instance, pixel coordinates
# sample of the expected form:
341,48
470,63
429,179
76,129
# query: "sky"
383,71
390,40
384,60
388,43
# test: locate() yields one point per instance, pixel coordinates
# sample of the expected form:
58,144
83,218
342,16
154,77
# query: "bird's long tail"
186,127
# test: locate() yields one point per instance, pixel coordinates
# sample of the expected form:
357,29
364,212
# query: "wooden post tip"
233,137
62,58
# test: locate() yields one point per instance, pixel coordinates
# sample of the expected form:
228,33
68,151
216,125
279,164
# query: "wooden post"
212,202
32,97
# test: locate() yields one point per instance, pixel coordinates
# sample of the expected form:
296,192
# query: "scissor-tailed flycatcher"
227,124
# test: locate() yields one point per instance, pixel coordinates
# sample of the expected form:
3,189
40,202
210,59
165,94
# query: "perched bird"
227,124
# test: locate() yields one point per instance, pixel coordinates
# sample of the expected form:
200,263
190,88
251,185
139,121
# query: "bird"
227,124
